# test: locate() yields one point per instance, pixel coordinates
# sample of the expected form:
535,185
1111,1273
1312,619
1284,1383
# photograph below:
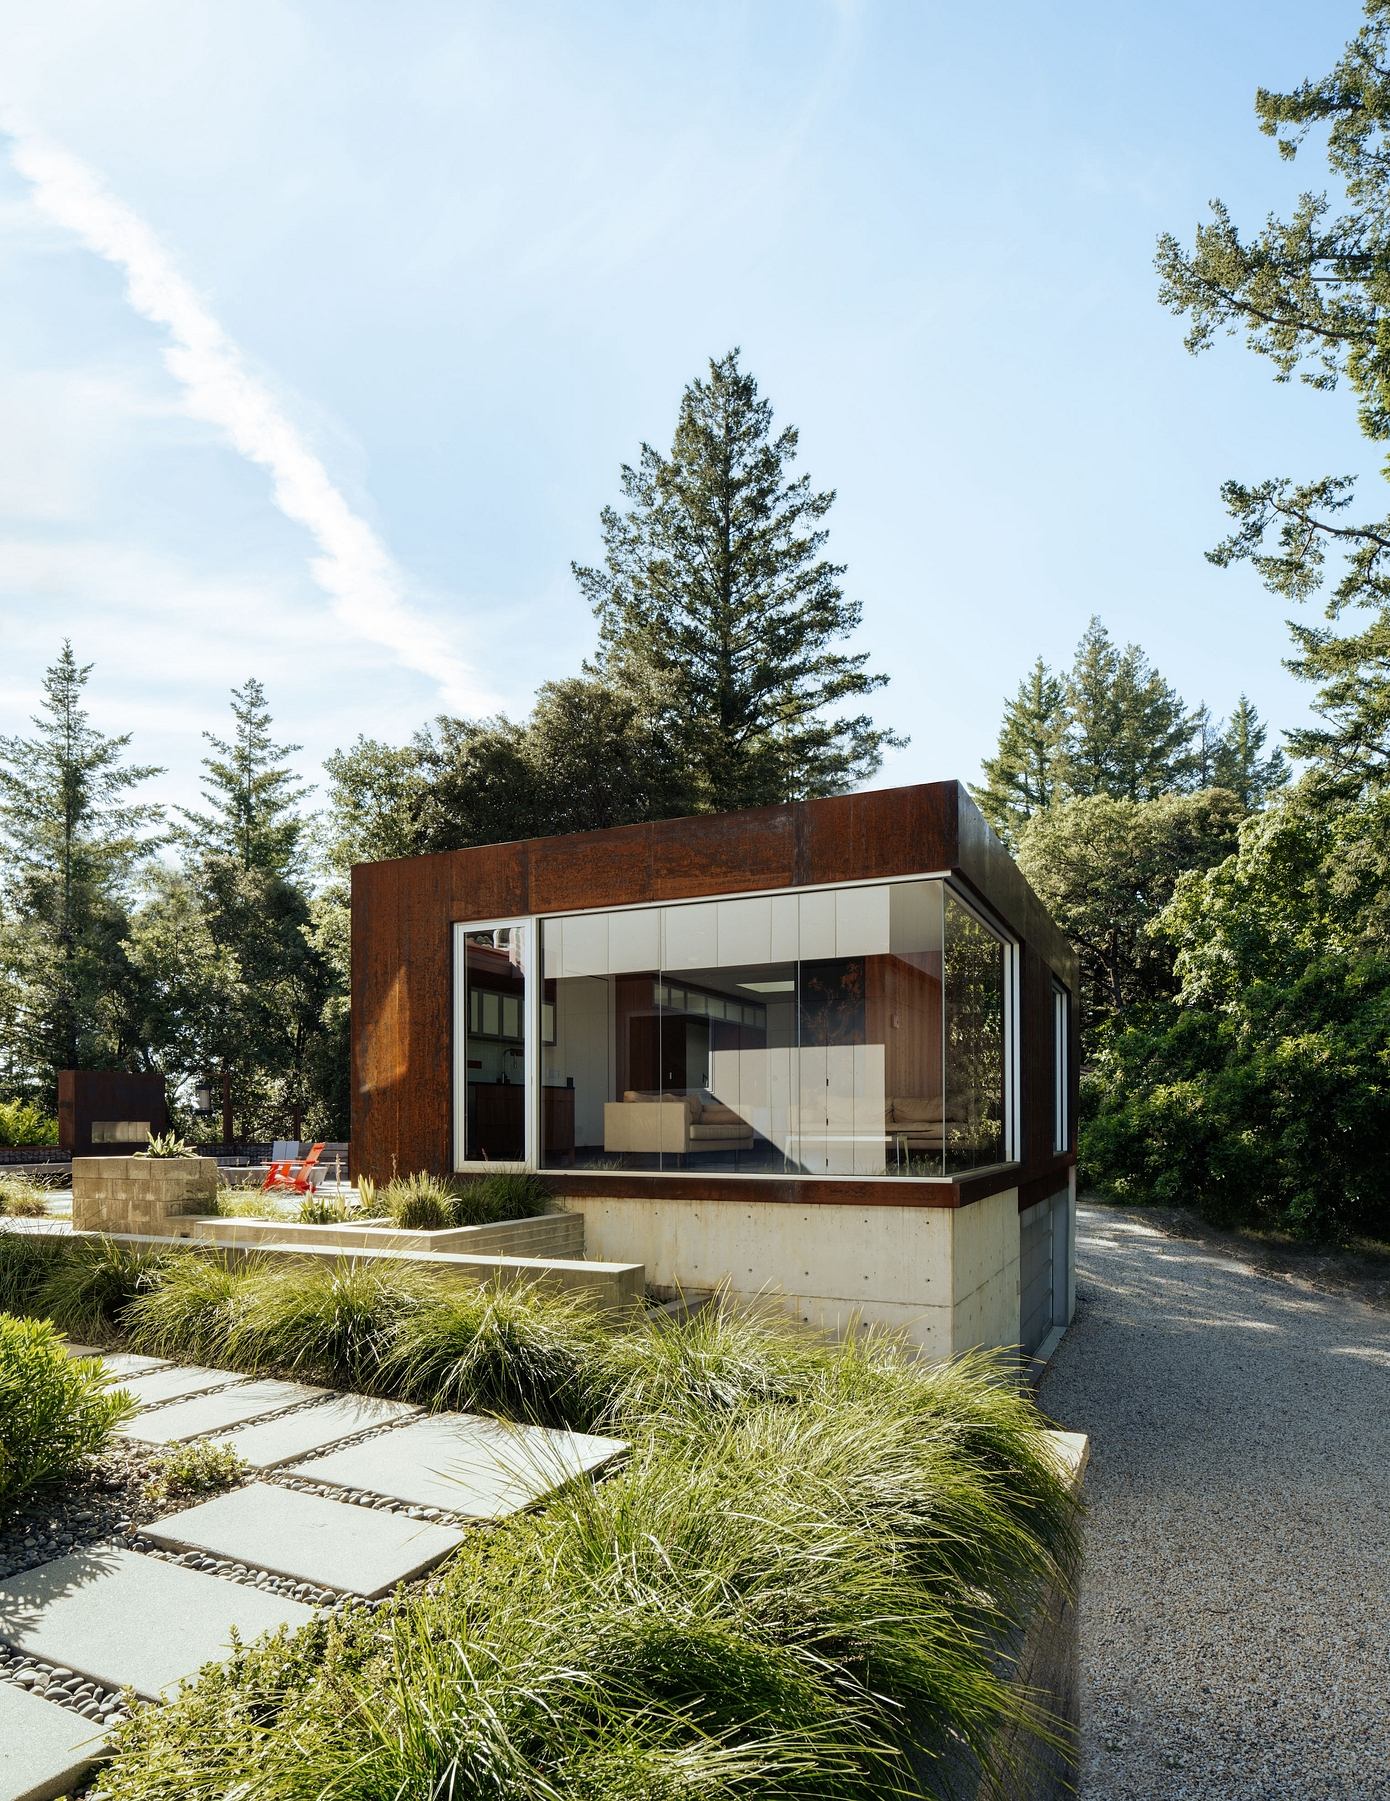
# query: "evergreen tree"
254,820
241,857
1238,765
1128,733
70,842
716,606
1309,292
1021,778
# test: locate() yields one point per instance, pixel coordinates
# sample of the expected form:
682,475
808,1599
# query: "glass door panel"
495,973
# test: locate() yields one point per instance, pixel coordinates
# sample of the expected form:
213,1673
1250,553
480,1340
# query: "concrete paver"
475,1467
44,1750
330,1543
127,1619
270,1442
204,1413
174,1382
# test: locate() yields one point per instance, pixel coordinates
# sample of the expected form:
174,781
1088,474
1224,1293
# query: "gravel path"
1235,1612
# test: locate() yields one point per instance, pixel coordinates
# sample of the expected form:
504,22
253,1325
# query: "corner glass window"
858,1031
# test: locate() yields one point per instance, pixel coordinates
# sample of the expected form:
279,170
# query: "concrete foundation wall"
946,1276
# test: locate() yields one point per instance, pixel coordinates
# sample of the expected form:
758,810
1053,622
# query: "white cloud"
353,567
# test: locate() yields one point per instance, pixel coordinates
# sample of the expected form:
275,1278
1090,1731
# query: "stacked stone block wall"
138,1194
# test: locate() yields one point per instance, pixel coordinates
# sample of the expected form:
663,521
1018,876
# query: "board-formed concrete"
270,1442
174,1382
44,1749
478,1468
201,1414
129,1620
353,1549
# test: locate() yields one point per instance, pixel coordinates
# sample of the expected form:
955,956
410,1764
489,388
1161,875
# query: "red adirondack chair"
293,1172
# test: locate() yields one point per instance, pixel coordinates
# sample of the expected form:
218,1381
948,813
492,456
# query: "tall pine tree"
1238,764
242,859
1022,776
1128,733
71,839
717,608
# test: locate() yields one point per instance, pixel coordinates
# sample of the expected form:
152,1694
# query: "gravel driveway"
1235,1612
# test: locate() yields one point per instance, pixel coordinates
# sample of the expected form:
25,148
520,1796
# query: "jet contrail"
354,568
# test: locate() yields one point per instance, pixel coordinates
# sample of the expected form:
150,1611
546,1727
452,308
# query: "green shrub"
196,1469
22,1199
515,1351
87,1287
54,1409
23,1123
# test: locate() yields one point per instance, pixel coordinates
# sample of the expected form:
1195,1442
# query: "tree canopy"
1310,292
716,605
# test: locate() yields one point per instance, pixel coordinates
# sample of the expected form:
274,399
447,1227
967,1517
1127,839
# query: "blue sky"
433,271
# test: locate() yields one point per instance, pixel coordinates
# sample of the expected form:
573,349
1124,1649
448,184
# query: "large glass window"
491,1085
858,1031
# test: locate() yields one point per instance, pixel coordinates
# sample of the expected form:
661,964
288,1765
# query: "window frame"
535,989
531,1021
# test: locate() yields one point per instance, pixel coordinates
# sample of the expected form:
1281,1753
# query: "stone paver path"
1235,1608
123,1616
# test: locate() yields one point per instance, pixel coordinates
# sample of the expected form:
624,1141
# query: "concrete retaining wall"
137,1194
547,1235
946,1276
614,1287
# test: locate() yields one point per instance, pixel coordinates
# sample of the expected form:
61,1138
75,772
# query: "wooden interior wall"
403,911
903,1013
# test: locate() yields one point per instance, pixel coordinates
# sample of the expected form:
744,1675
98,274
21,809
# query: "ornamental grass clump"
502,1194
714,1361
516,1351
55,1410
420,1203
192,1310
22,1199
789,1598
91,1282
331,1322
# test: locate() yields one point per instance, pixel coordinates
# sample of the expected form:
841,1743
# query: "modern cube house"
822,1052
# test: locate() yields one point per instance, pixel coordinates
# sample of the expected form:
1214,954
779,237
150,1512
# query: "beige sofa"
928,1123
673,1125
